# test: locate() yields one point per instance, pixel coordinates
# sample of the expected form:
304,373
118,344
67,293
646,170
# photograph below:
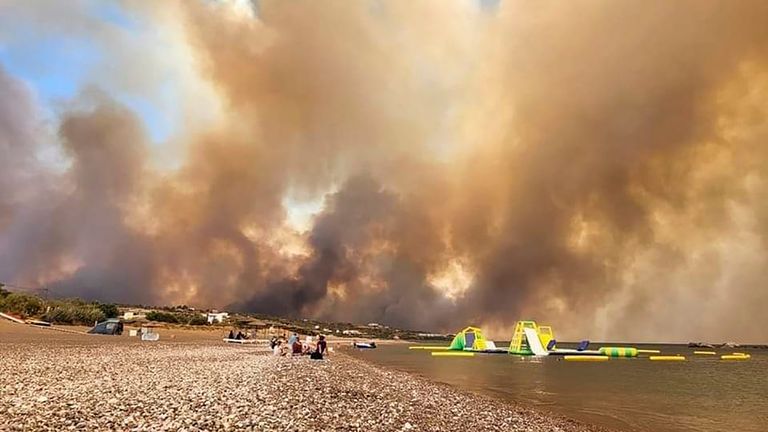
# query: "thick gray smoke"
77,216
598,166
361,265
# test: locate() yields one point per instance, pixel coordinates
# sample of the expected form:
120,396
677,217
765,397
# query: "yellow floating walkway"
586,358
705,352
667,358
735,357
645,351
453,354
427,347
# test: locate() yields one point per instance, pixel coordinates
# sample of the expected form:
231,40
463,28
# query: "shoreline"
60,381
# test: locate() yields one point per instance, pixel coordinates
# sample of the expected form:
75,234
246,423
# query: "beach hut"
469,339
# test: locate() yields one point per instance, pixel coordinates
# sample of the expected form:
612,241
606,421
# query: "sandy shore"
62,381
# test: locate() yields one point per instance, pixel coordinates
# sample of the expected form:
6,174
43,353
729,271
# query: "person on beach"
279,350
291,340
296,347
321,349
322,345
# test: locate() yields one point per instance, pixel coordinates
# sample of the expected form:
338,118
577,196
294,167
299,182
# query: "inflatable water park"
531,339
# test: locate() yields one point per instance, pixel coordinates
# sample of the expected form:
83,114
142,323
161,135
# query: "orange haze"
601,166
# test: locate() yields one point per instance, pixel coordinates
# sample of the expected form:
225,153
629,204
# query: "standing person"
292,340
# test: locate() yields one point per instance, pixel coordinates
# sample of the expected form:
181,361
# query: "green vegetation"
177,318
74,312
166,317
198,319
69,311
109,309
26,305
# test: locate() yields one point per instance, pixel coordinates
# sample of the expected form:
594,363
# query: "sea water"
701,394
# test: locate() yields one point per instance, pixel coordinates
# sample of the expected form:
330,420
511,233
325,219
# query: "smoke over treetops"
601,166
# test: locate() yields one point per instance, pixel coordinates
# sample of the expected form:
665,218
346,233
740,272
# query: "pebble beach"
53,381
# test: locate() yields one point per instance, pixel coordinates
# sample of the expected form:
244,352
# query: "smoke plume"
600,166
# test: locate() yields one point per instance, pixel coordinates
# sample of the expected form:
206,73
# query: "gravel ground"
95,384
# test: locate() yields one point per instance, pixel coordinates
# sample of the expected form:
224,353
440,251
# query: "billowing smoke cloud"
365,263
71,229
599,166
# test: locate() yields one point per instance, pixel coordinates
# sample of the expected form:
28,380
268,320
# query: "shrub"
109,309
72,312
163,317
22,304
197,319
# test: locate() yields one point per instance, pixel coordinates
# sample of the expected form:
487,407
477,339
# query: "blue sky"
57,64
58,56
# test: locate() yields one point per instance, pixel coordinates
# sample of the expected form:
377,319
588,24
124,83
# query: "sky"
57,65
598,166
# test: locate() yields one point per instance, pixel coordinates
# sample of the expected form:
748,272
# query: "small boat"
12,318
38,323
240,341
364,345
240,338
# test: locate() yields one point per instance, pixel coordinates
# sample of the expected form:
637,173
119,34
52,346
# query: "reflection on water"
701,394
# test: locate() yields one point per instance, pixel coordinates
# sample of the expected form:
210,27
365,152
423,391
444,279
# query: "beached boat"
364,345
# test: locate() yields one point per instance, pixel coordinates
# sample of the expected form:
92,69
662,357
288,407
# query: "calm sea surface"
701,394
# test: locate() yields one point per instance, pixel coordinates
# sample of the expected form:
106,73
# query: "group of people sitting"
296,347
239,336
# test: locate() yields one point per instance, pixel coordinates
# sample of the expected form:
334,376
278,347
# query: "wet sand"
193,382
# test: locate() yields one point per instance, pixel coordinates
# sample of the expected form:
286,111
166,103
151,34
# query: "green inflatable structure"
469,339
